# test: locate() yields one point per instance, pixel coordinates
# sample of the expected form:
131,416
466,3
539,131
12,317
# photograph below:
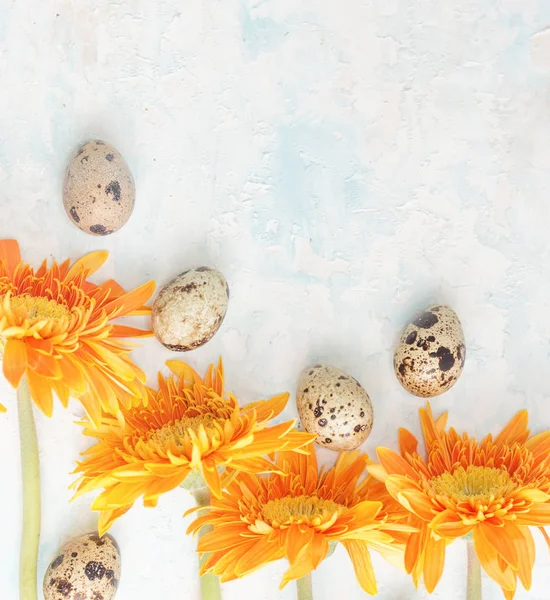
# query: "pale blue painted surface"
344,165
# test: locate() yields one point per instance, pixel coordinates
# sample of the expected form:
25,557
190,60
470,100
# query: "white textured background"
344,164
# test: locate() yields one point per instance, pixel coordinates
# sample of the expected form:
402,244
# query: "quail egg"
430,355
333,405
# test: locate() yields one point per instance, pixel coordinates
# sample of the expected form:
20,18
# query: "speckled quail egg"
190,309
431,353
87,568
333,405
98,190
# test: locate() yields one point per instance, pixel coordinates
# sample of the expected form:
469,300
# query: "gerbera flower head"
189,427
493,490
297,513
56,329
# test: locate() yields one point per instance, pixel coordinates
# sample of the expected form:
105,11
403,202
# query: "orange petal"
429,429
114,288
296,541
415,548
432,432
515,431
43,346
224,563
488,558
303,464
212,479
409,496
251,464
132,301
377,471
218,383
41,393
257,555
434,562
416,502
42,364
166,470
448,524
267,409
92,407
395,464
408,444
10,254
441,422
62,392
118,496
365,512
15,361
362,565
526,555
72,377
319,549
136,471
181,369
509,594
3,409
503,540
162,485
538,515
300,568
222,538
539,444
418,570
89,264
108,517
122,368
123,331
533,495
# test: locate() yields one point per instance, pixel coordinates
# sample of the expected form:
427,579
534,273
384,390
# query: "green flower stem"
210,584
305,588
473,588
30,468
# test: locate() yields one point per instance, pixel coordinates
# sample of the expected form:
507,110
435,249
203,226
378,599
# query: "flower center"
473,483
38,308
176,431
301,509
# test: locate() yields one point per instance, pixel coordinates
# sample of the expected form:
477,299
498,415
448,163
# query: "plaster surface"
344,165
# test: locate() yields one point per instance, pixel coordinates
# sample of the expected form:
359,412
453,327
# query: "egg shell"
333,405
98,190
190,309
430,355
86,568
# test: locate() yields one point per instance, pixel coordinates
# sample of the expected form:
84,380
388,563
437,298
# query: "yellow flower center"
473,484
38,308
310,510
188,416
175,432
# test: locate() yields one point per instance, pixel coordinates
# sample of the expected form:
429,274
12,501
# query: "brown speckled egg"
333,405
86,568
190,309
431,353
98,190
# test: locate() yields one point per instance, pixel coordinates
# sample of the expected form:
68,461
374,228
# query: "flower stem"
30,469
210,584
305,588
473,589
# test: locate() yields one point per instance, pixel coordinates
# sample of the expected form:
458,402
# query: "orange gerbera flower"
494,489
296,514
55,328
189,427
